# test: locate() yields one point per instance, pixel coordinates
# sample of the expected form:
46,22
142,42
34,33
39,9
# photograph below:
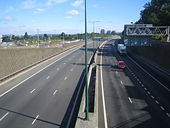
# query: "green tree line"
156,12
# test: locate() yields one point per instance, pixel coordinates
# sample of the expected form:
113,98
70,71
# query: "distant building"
0,39
102,31
108,32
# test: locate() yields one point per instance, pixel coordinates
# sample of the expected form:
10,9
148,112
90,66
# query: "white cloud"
77,3
49,3
9,9
7,18
28,4
68,17
73,12
94,5
38,10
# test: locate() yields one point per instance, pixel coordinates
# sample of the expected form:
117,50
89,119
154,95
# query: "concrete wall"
158,53
14,59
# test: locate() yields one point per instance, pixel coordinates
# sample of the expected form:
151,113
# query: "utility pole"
93,36
63,39
86,68
38,37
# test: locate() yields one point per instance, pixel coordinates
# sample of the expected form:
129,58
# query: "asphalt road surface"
40,97
131,96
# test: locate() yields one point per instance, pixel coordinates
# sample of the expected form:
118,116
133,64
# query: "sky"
57,16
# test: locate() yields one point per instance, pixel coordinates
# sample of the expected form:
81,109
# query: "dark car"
121,64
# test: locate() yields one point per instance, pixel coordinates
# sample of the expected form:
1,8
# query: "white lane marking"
32,91
58,69
148,92
137,79
103,98
152,97
35,119
48,77
140,82
145,88
37,72
55,92
4,116
142,85
71,69
168,115
149,74
65,78
156,101
121,82
162,108
130,99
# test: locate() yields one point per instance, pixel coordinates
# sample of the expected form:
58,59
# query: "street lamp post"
86,67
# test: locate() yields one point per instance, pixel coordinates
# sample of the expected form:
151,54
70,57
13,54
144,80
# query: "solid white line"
48,77
65,78
35,119
152,97
55,92
32,91
4,116
168,115
130,99
149,74
104,106
35,73
156,101
162,108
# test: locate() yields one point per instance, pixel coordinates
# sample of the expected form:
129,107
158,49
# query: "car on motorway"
121,64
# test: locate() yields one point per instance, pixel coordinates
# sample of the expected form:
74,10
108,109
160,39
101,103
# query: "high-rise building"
0,38
102,31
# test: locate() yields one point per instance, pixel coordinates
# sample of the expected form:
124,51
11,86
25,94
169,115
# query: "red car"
121,64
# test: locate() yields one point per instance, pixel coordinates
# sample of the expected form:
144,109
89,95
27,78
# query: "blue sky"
56,16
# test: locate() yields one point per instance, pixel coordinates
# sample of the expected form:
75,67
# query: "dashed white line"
142,85
152,97
145,88
121,82
168,115
35,119
162,108
55,92
4,116
32,91
148,92
156,101
65,78
48,77
130,99
140,82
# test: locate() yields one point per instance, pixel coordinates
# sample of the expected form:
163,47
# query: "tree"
45,36
26,35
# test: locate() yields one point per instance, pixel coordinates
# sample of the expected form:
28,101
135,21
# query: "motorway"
131,97
41,97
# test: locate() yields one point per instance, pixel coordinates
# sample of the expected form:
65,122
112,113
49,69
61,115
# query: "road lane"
41,108
126,105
